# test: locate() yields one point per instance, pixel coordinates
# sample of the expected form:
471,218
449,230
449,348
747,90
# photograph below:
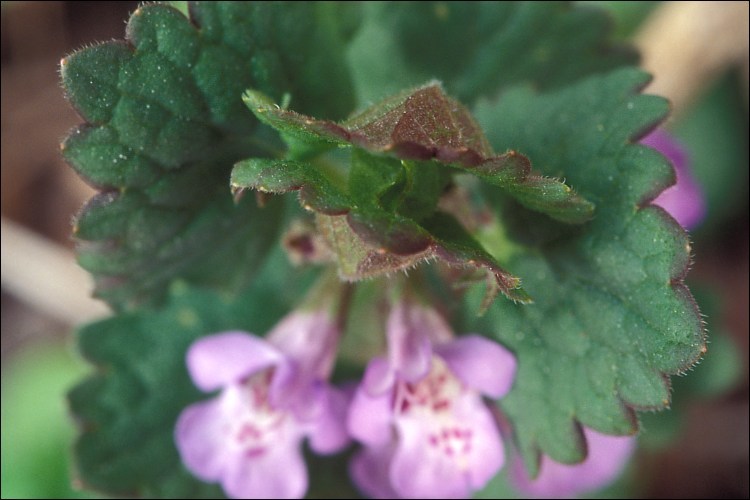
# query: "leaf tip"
257,101
520,296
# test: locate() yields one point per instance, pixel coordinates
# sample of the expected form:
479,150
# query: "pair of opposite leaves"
382,214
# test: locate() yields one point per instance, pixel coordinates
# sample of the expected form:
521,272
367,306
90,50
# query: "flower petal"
226,358
684,201
309,339
607,457
200,439
488,454
329,434
379,377
370,418
419,471
480,364
425,468
370,470
438,330
280,473
409,347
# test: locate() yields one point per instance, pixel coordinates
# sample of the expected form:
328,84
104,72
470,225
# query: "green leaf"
166,123
380,214
127,409
612,316
477,48
424,124
367,239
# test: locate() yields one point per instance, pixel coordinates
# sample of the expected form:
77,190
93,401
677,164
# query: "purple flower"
607,457
684,201
420,415
273,395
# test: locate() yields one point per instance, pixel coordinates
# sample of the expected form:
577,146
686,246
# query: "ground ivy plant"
362,181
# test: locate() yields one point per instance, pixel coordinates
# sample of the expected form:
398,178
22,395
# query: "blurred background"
698,52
